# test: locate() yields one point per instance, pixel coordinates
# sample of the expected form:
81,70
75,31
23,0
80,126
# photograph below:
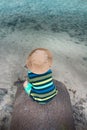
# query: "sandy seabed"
69,67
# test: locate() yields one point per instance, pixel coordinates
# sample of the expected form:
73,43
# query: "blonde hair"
47,52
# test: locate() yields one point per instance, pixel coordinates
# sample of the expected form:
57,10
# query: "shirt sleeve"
28,88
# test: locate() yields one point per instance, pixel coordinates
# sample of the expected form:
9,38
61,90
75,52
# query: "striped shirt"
41,87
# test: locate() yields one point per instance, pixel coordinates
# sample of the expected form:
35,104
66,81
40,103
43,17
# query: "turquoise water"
42,6
56,15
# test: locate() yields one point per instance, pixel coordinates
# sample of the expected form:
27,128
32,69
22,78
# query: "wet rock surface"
80,119
57,114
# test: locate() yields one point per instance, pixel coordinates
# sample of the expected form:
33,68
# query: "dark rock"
79,116
3,91
85,58
55,115
5,119
5,122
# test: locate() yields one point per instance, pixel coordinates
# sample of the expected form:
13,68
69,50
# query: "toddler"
40,86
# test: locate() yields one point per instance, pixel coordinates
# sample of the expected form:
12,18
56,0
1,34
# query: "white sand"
68,66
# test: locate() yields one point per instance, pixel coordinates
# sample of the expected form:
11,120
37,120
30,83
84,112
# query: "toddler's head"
39,60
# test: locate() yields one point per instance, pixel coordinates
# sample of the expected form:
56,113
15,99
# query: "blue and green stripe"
43,88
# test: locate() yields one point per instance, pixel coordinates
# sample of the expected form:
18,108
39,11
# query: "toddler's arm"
27,87
25,84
